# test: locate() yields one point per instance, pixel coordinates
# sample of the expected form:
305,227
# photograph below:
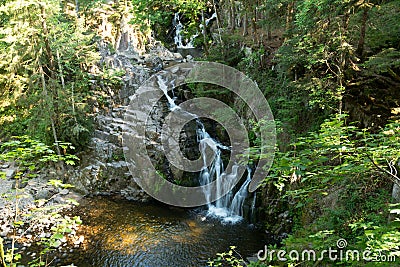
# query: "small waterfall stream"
178,39
228,207
179,27
253,208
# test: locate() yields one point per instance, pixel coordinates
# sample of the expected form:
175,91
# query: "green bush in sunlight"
29,156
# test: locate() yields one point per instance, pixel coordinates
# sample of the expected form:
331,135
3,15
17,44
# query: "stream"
118,232
123,233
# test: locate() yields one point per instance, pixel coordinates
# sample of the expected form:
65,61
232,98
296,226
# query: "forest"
70,72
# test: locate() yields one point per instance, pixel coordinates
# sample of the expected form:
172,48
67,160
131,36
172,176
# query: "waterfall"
253,208
178,34
213,16
164,88
227,207
178,38
237,202
206,21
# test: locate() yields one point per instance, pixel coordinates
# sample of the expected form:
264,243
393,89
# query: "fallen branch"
395,178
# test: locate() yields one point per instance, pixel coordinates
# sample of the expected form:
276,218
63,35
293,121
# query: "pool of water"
123,233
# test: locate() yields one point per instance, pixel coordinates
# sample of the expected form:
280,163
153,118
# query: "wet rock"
163,53
157,64
5,166
59,200
64,192
21,183
44,193
102,167
10,173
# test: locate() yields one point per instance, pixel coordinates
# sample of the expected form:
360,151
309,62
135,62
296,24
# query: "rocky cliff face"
102,169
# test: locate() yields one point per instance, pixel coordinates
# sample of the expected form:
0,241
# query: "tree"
45,58
157,15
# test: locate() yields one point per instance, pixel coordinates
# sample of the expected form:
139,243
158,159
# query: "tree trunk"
2,260
53,128
361,41
51,73
269,32
233,15
218,22
118,35
289,17
254,25
203,22
60,70
49,54
245,31
395,194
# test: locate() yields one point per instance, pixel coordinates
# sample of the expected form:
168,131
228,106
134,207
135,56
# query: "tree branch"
394,177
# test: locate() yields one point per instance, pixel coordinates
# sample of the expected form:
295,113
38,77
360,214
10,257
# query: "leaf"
18,223
55,244
72,202
57,236
70,162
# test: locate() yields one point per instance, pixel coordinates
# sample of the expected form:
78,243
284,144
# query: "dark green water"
122,233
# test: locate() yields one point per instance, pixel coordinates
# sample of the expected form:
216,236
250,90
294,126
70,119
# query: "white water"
164,88
178,39
236,207
228,207
207,21
253,207
213,16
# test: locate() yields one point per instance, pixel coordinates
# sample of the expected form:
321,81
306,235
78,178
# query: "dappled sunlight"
130,232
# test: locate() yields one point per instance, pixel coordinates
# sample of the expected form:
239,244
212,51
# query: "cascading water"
213,16
228,207
178,34
178,38
236,207
253,208
164,88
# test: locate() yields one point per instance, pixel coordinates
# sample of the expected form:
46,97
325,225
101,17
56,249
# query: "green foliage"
229,52
320,55
28,155
274,13
336,177
43,72
384,29
383,62
381,240
339,181
379,237
157,15
288,102
209,90
337,151
231,258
